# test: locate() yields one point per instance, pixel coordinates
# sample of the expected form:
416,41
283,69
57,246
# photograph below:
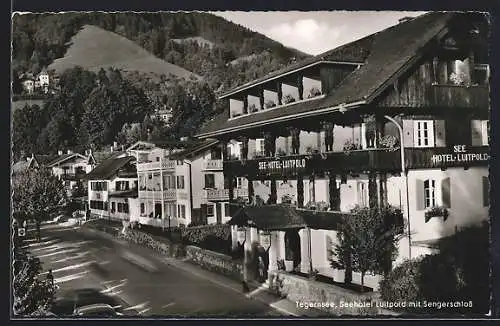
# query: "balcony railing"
212,165
169,194
165,165
73,176
458,96
127,174
216,194
358,161
241,192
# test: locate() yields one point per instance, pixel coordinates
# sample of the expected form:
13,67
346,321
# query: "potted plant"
436,211
288,98
388,141
252,108
313,274
313,92
349,145
269,104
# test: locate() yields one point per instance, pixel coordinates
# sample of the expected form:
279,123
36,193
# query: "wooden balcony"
73,176
127,174
458,96
212,165
357,161
148,166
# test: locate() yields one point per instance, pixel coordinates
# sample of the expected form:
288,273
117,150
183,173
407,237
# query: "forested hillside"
199,42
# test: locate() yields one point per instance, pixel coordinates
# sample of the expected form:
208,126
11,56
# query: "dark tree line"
94,110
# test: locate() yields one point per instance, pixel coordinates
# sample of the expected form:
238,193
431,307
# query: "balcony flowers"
288,99
280,152
349,145
436,211
269,104
388,141
252,108
313,92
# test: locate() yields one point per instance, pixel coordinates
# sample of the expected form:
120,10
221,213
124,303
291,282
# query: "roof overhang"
56,162
339,108
285,73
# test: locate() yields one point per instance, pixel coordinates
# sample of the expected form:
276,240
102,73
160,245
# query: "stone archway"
292,247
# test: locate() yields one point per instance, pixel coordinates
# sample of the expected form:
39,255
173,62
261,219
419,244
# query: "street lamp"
405,173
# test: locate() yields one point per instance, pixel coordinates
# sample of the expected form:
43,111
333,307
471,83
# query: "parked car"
61,219
97,310
68,302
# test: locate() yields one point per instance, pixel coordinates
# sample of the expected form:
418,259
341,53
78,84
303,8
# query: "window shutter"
476,131
207,181
440,133
419,195
486,192
446,192
408,133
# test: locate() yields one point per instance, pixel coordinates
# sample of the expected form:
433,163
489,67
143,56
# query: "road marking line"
67,268
59,252
144,310
77,256
284,311
168,305
37,244
113,287
34,240
69,277
254,292
141,305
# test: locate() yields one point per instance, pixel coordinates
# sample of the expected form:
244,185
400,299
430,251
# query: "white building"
69,168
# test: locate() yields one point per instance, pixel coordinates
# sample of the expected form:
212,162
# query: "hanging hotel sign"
460,155
280,166
265,240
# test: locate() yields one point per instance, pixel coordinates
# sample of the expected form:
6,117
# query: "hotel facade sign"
282,166
459,155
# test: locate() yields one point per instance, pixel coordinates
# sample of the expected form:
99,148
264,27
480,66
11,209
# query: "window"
99,186
157,159
210,181
180,182
239,182
216,154
429,193
481,74
181,211
480,132
121,185
423,133
362,194
259,147
143,209
210,210
100,205
227,211
113,208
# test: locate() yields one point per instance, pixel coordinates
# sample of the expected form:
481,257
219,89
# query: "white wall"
466,196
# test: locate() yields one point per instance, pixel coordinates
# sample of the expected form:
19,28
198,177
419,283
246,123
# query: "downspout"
190,189
405,173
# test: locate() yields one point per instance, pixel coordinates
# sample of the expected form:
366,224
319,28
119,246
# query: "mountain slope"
40,39
93,48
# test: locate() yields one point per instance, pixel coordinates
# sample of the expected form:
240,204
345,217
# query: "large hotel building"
399,118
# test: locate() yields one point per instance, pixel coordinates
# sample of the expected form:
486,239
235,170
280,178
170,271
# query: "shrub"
288,99
456,273
215,237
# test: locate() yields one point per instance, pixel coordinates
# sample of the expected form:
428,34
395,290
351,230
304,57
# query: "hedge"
458,273
215,237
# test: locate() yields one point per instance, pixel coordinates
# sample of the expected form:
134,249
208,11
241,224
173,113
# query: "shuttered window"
362,194
429,193
423,132
440,133
486,191
210,210
210,181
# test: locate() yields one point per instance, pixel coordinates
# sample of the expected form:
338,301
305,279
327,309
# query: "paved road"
82,259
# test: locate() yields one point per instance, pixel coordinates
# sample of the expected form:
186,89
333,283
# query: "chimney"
405,19
59,152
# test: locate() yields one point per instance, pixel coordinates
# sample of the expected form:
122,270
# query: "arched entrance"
292,247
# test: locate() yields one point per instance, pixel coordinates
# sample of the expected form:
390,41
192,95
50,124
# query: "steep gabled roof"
108,168
101,156
65,157
390,53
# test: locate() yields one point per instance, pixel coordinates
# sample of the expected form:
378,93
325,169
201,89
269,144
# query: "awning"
283,217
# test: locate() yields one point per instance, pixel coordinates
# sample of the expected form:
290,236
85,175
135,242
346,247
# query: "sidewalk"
258,292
